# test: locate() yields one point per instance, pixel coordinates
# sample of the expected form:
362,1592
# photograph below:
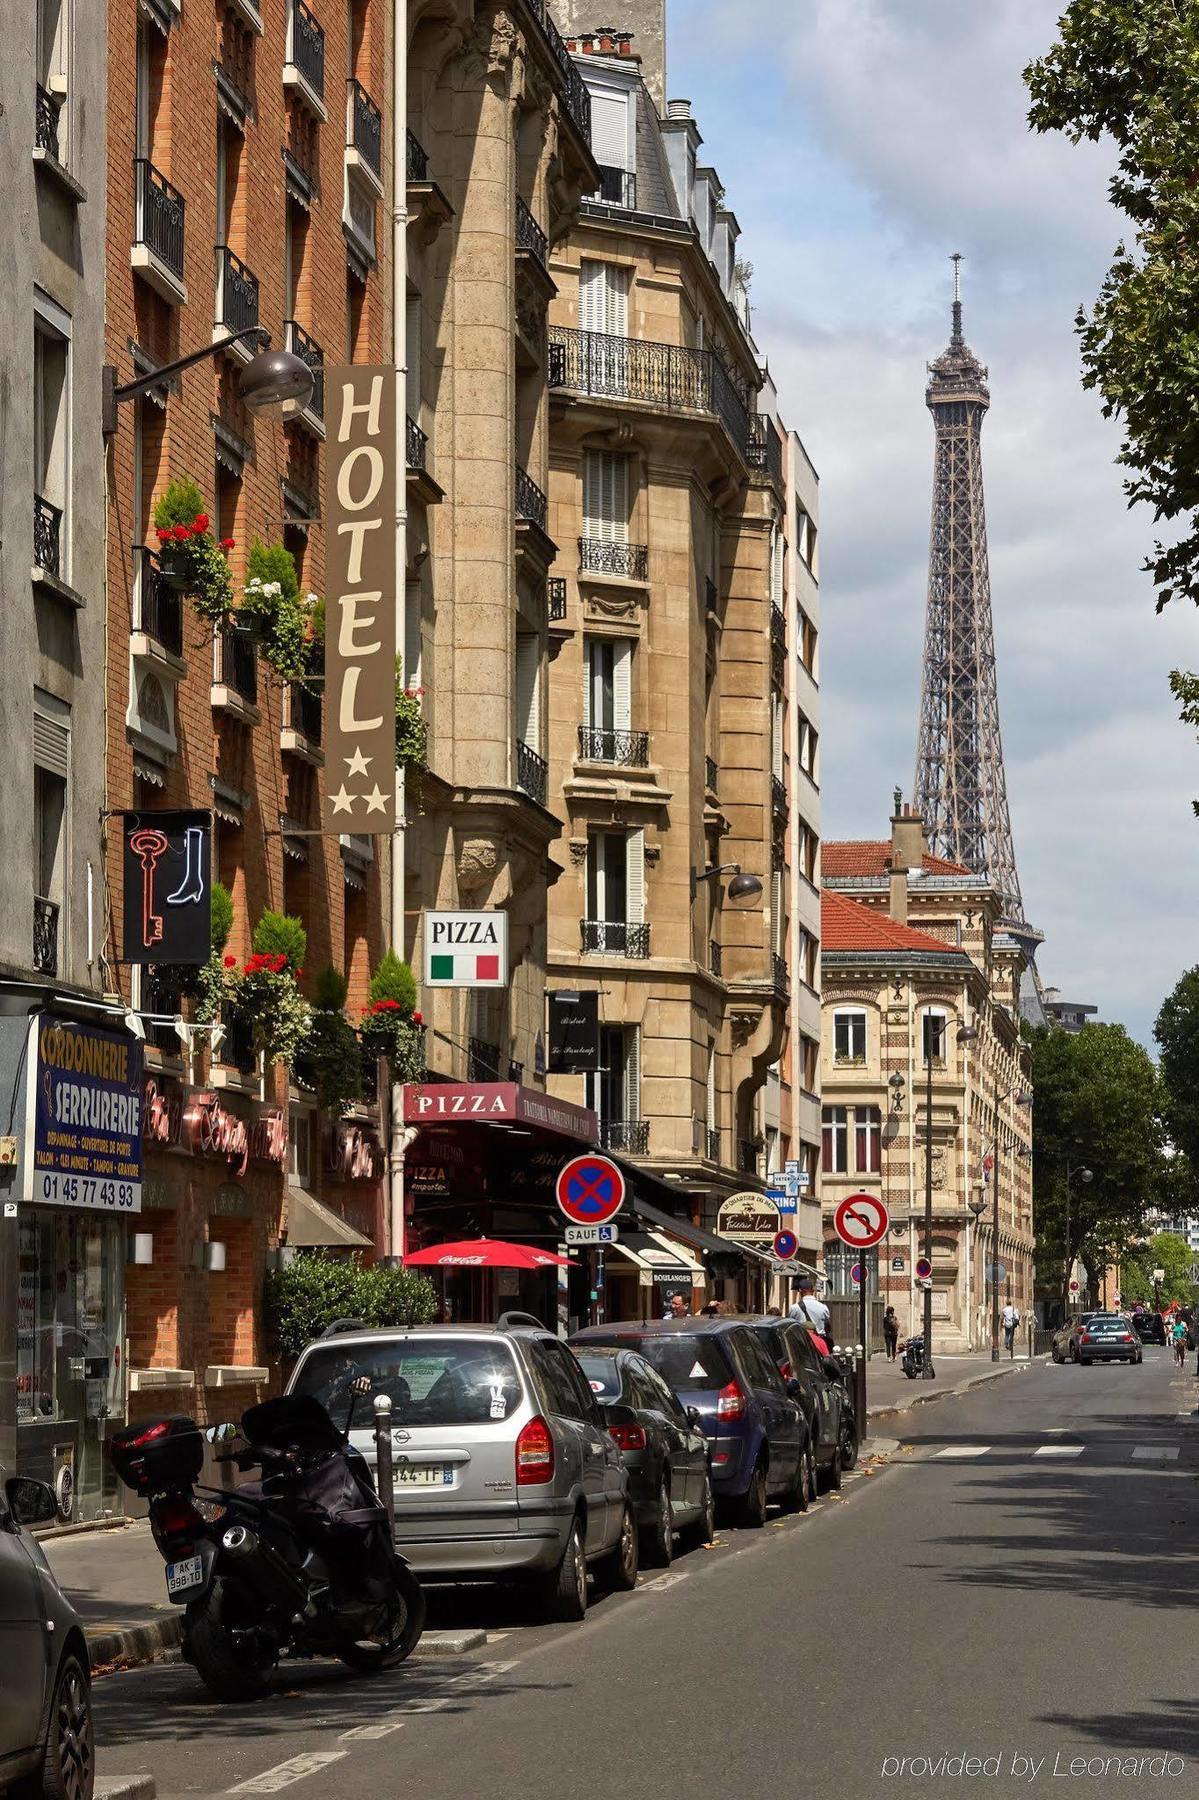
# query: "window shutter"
711,1088
591,296
610,128
528,698
632,1074
412,356
592,492
776,910
776,737
622,668
51,745
616,300
606,497
412,634
588,678
635,877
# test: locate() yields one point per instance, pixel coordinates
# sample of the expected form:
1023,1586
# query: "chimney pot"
678,109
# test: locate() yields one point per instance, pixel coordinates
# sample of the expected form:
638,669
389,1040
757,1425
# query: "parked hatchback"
503,1468
664,1451
45,1692
756,1431
1108,1338
819,1386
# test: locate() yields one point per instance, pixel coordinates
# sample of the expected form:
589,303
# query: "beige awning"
680,1250
311,1225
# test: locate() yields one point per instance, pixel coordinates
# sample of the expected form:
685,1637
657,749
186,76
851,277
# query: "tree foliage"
314,1290
1165,1250
1177,1033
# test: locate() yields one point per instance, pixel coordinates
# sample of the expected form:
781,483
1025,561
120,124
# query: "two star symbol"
343,800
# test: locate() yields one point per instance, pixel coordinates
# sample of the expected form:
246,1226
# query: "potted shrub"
391,1025
333,1051
188,553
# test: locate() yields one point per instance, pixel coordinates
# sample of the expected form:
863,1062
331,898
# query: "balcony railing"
715,957
47,535
159,217
418,159
628,748
238,663
308,46
162,993
46,123
778,845
710,594
305,716
618,187
45,935
778,795
532,773
576,98
614,937
600,556
161,605
556,598
366,127
531,503
370,1080
713,1143
780,975
668,375
630,1136
237,292
529,235
765,446
778,626
483,1061
237,1047
417,446
310,352
711,774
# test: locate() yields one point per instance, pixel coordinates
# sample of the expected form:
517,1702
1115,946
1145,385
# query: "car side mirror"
694,1417
30,1502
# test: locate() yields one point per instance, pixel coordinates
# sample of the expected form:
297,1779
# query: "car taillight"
1085,1338
534,1453
627,1437
1126,1337
174,1514
730,1403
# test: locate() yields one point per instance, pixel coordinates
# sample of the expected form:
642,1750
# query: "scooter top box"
158,1453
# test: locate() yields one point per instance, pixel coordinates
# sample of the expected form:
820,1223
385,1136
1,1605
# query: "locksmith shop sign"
168,887
84,1122
360,631
466,949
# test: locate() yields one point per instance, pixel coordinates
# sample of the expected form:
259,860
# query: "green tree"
1177,1033
1097,1106
1165,1250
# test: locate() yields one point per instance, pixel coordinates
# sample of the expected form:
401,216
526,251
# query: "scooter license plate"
185,1575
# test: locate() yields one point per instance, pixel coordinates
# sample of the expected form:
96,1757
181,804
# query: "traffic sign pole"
861,1221
862,1339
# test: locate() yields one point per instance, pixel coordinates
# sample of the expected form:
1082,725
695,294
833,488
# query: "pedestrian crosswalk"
1145,1453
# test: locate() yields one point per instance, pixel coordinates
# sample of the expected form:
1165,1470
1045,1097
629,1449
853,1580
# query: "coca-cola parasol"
485,1253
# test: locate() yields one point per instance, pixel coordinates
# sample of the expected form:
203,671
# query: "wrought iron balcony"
711,774
599,556
780,975
418,159
370,1080
417,446
630,1136
529,235
238,663
305,714
516,1071
575,98
628,748
532,773
556,597
161,605
713,1143
366,127
158,220
747,1156
162,993
310,352
765,446
618,187
45,935
710,594
778,626
614,937
715,957
666,375
308,46
531,503
237,292
237,1046
46,123
47,535
778,795
778,845
483,1061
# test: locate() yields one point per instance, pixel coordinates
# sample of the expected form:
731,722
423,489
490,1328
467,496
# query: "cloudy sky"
861,141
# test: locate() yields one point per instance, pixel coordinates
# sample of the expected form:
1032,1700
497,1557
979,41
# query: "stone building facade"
913,952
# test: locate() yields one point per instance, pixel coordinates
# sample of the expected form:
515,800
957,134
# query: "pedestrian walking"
891,1333
1178,1337
1011,1318
810,1311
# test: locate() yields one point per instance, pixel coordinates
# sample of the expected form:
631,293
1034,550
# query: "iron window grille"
239,663
238,296
778,795
417,445
556,593
529,235
602,556
628,748
159,223
366,127
47,535
711,774
45,935
46,123
715,958
531,503
308,46
614,937
618,187
532,773
628,1135
311,353
417,158
482,1060
161,605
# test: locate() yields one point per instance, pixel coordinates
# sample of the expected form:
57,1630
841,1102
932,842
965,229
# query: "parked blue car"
756,1429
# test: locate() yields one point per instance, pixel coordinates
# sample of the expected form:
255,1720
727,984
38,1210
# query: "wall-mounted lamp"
268,379
742,891
214,1257
141,1249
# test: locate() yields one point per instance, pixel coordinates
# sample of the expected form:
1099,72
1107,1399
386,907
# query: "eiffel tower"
960,787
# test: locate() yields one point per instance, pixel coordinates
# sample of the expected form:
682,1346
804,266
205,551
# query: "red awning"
485,1253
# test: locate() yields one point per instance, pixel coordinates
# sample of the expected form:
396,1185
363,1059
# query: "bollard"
859,1371
384,1482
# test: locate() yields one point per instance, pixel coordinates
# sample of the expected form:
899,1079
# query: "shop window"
835,1151
868,1127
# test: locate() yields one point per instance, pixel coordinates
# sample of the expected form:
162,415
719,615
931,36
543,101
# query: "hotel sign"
360,629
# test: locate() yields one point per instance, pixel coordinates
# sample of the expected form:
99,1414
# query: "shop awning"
650,1251
694,1236
311,1225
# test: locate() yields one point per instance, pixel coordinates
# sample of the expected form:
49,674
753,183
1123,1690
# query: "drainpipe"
399,335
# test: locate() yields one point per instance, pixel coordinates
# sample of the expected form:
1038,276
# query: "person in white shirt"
810,1310
1011,1318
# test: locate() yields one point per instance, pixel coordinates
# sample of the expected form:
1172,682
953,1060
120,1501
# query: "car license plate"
184,1575
423,1475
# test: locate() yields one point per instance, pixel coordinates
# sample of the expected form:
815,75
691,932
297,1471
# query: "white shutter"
635,877
591,296
412,634
588,678
632,1073
622,669
528,698
711,1119
776,566
606,497
412,356
610,127
776,910
616,301
592,492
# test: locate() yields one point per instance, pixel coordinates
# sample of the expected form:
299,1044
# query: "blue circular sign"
855,1274
786,1244
590,1190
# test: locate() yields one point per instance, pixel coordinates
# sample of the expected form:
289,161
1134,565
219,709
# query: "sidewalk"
888,1390
114,1579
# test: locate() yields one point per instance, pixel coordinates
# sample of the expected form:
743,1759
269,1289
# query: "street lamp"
978,1206
268,379
742,891
1084,1175
1022,1099
966,1034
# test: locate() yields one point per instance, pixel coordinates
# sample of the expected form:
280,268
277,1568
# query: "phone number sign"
85,1117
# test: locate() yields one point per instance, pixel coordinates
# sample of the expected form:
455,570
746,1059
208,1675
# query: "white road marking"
368,1733
962,1450
1056,1430
1155,1453
273,1781
1059,1450
660,1583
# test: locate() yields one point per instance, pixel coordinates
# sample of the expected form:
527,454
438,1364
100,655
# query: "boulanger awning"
311,1225
651,1252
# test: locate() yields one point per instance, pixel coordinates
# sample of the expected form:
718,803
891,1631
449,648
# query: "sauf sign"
466,949
360,631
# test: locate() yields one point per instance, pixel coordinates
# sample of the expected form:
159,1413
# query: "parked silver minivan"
503,1468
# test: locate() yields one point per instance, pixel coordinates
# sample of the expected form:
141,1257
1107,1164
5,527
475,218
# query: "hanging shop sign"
464,1102
200,1124
748,1218
360,634
466,949
354,1154
168,887
574,1032
84,1117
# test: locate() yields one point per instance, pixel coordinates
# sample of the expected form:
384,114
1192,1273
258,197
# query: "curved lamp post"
268,379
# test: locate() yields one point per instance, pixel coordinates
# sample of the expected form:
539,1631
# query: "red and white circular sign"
861,1220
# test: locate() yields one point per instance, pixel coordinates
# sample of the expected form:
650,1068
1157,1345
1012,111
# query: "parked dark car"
664,1451
756,1431
45,1688
1149,1327
821,1385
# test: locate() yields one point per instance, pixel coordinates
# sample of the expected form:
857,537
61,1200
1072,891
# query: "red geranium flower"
231,962
299,974
200,522
418,1018
181,533
163,535
227,543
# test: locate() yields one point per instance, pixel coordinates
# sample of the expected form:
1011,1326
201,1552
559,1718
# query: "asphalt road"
1017,1585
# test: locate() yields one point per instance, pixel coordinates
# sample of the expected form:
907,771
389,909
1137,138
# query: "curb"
963,1387
126,1787
133,1646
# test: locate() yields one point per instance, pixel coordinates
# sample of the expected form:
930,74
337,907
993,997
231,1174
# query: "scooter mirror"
221,1434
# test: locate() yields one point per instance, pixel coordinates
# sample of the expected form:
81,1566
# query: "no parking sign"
590,1190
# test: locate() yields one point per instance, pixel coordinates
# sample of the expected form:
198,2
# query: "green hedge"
314,1290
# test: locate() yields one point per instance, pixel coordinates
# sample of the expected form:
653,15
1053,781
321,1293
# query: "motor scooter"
912,1362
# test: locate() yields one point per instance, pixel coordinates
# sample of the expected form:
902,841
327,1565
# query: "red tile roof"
865,856
846,924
